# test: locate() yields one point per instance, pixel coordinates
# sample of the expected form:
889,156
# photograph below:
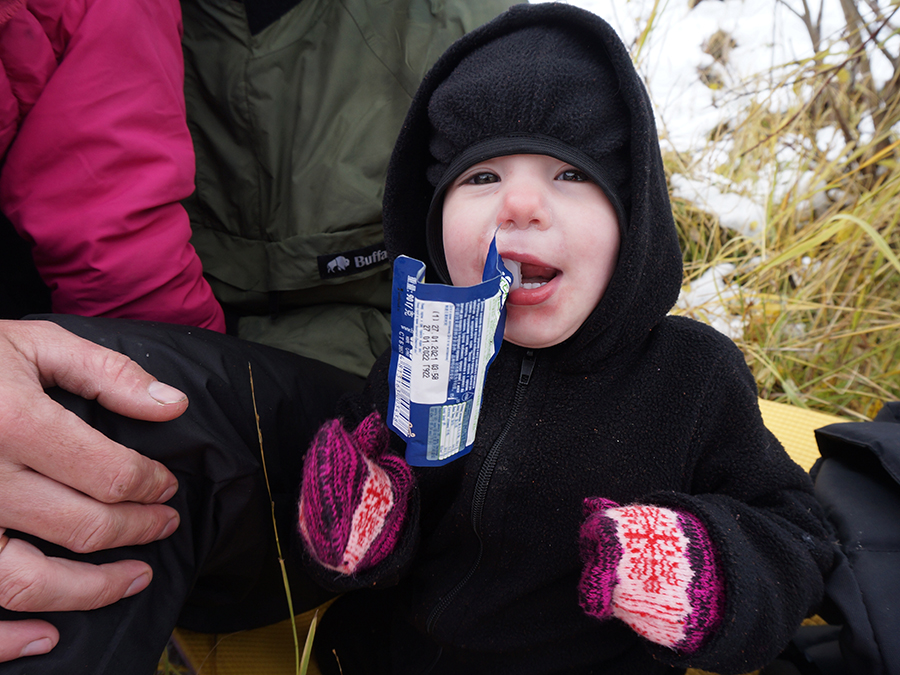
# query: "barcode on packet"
402,383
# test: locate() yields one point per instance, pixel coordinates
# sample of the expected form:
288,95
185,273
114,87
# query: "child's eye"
482,178
573,174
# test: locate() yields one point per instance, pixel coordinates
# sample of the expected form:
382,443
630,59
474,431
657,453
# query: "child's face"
560,226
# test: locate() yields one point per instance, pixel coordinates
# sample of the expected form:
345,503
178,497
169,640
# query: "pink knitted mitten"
354,496
653,568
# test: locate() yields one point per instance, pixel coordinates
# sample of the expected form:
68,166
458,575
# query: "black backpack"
857,480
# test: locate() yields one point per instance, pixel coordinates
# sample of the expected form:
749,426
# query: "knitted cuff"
653,568
353,500
600,552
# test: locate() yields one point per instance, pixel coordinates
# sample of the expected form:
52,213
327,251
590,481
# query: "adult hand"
66,483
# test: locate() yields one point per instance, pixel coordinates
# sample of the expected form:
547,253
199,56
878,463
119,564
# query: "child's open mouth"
535,286
535,276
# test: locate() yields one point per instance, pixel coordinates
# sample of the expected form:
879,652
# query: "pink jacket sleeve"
102,156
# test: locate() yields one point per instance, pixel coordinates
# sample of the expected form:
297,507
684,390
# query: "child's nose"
524,205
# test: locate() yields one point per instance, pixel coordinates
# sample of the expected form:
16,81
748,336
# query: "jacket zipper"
481,489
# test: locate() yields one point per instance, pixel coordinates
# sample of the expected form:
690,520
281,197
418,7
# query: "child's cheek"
466,264
517,321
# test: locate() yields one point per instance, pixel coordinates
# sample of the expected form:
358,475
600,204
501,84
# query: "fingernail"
171,526
41,646
138,585
168,494
163,393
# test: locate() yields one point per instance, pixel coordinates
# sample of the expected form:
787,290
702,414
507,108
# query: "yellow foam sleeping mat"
270,650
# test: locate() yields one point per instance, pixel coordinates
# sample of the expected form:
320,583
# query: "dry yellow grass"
819,290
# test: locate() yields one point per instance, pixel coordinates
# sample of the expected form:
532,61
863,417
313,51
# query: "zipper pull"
527,367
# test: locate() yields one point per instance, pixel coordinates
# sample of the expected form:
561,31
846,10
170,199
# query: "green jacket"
293,127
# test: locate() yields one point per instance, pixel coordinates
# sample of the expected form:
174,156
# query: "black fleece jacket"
636,407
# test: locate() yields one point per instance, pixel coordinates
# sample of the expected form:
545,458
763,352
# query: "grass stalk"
284,577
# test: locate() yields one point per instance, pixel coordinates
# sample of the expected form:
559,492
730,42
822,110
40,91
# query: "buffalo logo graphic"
338,264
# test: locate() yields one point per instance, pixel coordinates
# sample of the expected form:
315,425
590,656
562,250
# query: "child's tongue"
535,276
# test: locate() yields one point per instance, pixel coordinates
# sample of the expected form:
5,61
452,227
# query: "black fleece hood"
597,117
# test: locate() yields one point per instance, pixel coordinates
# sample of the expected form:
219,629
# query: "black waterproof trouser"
219,572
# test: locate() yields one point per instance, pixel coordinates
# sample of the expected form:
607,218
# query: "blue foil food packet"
443,338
